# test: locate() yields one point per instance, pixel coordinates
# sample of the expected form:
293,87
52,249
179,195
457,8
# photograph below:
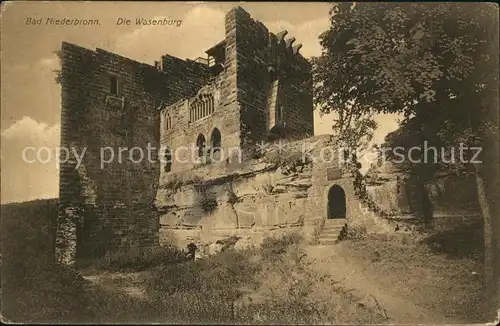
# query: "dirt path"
333,261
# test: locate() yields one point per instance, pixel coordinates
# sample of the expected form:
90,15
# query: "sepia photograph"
298,163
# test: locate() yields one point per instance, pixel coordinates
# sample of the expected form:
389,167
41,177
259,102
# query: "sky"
30,98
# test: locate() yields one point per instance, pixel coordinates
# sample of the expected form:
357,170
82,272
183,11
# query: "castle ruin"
254,87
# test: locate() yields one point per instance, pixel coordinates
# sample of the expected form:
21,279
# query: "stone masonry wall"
181,137
260,54
241,94
294,74
277,193
250,39
104,207
449,196
185,78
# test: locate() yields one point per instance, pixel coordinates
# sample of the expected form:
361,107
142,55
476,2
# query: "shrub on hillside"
274,247
355,232
204,290
288,159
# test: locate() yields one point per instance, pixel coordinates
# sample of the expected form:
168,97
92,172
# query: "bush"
288,159
204,290
176,180
206,199
208,204
28,233
272,248
356,232
34,288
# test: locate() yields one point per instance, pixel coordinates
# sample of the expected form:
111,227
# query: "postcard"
250,162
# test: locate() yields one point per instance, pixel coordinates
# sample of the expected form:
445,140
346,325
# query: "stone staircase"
331,231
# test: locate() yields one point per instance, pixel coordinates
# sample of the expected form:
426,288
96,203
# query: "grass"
202,291
272,248
224,288
429,273
136,259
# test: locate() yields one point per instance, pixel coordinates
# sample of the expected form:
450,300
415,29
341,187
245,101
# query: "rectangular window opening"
113,85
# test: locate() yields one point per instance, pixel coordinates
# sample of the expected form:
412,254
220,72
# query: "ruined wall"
294,78
109,205
247,44
391,195
453,195
106,205
185,78
181,137
448,196
263,58
241,93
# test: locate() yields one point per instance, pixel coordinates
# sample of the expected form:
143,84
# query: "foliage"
317,230
268,188
204,290
274,247
355,232
176,180
34,288
28,236
209,290
57,72
206,199
283,157
288,159
437,63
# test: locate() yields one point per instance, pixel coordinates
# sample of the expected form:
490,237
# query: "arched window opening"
200,143
168,160
168,122
215,140
202,107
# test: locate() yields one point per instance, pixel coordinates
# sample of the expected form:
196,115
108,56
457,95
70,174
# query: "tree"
353,124
437,64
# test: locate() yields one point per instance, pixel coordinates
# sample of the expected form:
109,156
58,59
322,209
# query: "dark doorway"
336,202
